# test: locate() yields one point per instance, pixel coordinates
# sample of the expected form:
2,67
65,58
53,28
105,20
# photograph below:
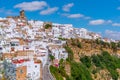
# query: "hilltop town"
27,46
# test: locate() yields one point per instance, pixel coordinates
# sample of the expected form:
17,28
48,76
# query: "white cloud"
118,8
75,16
109,21
87,17
112,34
64,14
116,24
100,22
67,7
31,6
49,11
97,22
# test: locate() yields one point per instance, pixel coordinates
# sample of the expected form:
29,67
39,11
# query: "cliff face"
89,47
89,60
90,53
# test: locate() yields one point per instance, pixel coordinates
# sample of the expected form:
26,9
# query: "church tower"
22,14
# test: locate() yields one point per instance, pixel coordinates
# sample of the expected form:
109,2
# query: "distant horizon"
98,16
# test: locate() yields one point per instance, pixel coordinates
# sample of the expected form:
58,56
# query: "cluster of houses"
25,45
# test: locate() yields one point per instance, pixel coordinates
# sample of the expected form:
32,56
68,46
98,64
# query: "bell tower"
22,14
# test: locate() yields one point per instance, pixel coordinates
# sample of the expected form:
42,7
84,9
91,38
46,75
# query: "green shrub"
48,26
80,72
107,61
79,45
55,73
86,61
70,53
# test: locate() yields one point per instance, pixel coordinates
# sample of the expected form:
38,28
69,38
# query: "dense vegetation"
103,61
59,72
70,53
111,45
78,70
55,72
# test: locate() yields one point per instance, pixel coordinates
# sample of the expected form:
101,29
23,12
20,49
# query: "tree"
48,26
79,44
61,61
70,53
97,41
73,42
80,72
86,61
69,78
52,57
96,61
118,44
114,46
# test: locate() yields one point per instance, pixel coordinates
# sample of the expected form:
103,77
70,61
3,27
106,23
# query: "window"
21,71
12,44
0,48
35,66
34,73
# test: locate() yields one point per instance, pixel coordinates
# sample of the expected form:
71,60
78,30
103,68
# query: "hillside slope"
98,57
91,60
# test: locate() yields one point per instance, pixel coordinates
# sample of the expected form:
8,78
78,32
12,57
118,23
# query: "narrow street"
46,72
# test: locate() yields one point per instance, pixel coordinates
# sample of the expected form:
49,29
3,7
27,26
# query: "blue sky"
101,16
